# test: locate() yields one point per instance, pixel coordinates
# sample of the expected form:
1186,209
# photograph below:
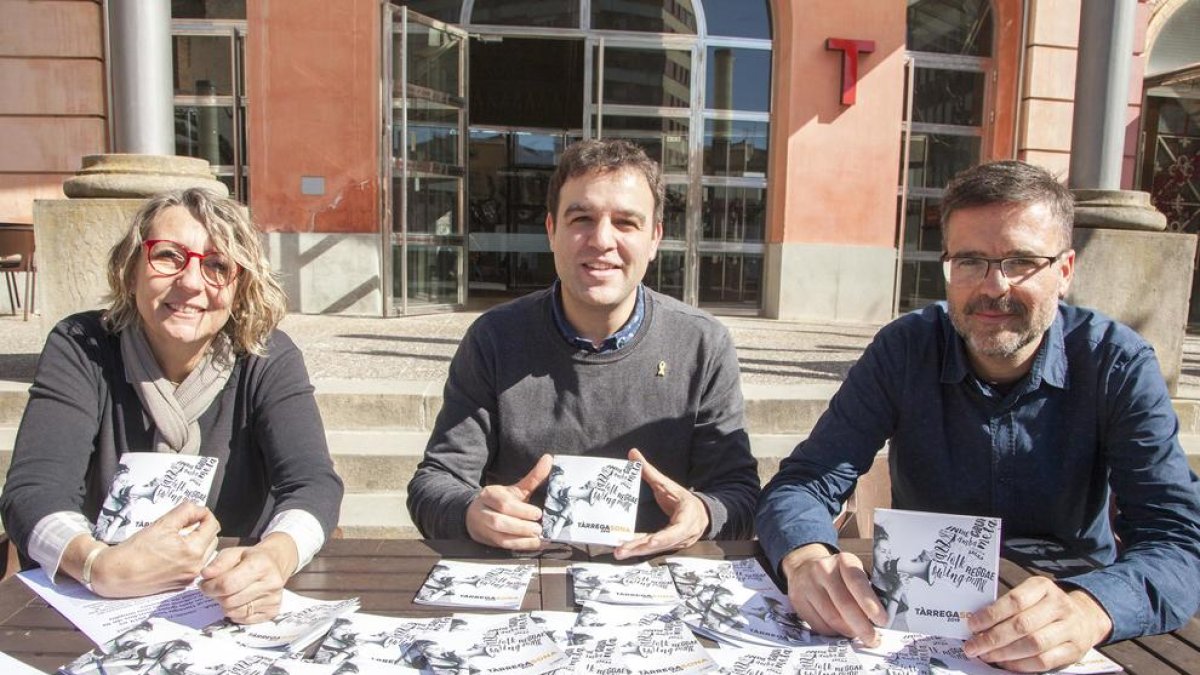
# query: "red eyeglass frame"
149,244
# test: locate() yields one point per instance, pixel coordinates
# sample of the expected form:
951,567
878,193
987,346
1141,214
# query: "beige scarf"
175,410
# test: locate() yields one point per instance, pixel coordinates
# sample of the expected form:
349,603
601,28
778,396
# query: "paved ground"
420,348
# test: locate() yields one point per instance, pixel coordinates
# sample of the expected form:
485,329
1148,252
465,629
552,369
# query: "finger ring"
250,608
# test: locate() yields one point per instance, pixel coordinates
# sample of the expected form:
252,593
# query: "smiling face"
1002,323
603,236
180,313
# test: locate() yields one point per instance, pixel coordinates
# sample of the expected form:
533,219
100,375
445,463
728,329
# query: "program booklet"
168,648
301,620
591,500
736,602
834,658
454,583
930,569
145,486
638,584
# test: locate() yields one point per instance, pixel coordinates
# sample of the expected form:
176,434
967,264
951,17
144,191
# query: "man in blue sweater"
1004,401
595,365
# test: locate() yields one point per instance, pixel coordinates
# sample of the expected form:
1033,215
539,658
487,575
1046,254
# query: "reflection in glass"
432,205
432,273
527,82
546,13
921,283
950,26
537,149
735,148
203,65
205,132
209,9
738,79
733,214
923,225
432,59
447,11
432,136
654,77
935,158
650,16
665,273
664,139
675,212
738,18
731,279
948,97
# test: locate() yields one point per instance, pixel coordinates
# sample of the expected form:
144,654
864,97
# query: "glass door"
643,91
424,158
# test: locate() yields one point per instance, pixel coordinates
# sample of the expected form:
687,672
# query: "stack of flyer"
453,583
591,500
736,602
638,584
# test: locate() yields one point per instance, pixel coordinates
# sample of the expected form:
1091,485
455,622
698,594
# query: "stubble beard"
1003,343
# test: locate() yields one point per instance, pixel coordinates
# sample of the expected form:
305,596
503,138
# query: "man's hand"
502,516
688,515
165,555
832,593
1037,626
248,581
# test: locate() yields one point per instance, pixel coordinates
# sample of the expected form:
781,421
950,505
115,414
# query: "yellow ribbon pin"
662,369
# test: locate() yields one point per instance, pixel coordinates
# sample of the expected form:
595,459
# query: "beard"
1007,341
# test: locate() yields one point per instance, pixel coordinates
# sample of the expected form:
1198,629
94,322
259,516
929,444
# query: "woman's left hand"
248,581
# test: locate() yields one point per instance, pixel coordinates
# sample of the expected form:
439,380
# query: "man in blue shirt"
1004,401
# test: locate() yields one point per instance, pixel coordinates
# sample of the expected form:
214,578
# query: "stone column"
140,54
1128,268
75,235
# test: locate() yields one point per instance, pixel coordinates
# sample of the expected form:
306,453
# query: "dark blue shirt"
1093,412
611,343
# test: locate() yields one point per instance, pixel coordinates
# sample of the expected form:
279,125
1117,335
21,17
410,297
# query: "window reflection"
665,273
652,16
433,59
935,158
652,77
203,65
544,13
448,11
431,204
734,214
205,132
735,148
948,97
675,212
208,9
432,274
665,140
950,26
738,79
731,279
738,18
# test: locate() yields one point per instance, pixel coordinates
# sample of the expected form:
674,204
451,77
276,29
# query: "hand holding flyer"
591,500
145,486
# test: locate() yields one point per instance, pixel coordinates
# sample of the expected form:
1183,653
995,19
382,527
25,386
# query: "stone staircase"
377,432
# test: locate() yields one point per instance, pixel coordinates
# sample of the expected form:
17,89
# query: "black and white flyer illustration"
384,639
834,658
638,584
518,645
145,486
300,621
591,500
655,644
930,569
183,655
735,601
454,583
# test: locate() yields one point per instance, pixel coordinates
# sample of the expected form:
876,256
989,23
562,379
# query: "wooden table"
385,575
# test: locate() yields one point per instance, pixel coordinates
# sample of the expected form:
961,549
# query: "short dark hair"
603,156
1010,182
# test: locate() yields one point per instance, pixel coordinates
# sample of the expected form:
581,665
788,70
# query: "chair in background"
16,255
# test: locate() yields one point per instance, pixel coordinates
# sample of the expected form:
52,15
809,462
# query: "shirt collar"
611,343
1049,364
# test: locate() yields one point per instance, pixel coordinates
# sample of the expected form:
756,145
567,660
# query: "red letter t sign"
850,50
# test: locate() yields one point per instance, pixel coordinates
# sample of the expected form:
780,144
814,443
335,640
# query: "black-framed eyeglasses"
170,258
967,270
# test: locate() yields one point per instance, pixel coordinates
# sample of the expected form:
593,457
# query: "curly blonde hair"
259,303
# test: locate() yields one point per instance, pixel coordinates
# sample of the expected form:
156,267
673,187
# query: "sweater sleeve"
57,434
724,473
1154,585
289,431
460,447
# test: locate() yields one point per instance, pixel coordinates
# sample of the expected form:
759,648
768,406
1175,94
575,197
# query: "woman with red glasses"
186,359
